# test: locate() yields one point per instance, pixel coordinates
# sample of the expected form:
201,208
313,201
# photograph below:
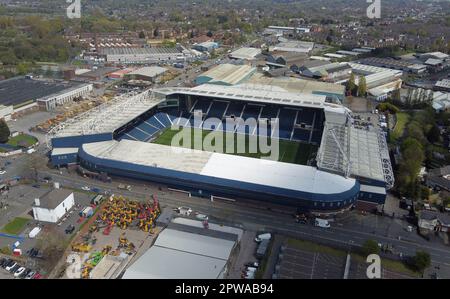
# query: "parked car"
11,265
70,229
2,172
30,275
86,188
37,276
252,264
201,217
25,273
15,268
19,271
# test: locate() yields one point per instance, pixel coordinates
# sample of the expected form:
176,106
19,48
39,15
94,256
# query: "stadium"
323,163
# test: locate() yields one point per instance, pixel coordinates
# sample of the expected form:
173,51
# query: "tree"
362,86
421,261
370,247
351,84
4,132
434,134
142,34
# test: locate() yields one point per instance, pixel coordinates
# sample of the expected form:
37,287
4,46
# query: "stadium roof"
228,74
253,93
355,152
224,166
245,53
107,117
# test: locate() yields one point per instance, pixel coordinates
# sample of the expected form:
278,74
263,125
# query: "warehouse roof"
53,198
138,51
229,74
149,71
167,263
222,166
296,85
245,53
181,253
19,90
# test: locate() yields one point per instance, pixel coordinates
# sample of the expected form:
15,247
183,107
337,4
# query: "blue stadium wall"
78,141
66,159
222,187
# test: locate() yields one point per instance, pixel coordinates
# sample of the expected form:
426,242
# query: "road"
259,218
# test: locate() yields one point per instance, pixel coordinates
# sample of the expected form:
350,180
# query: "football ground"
288,151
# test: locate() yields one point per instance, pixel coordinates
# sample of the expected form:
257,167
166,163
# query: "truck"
124,187
185,211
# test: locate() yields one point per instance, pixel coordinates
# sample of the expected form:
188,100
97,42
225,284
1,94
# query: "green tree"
351,84
434,134
4,132
370,247
421,261
362,86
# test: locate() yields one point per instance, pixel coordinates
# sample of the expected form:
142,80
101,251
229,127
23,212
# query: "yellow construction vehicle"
81,247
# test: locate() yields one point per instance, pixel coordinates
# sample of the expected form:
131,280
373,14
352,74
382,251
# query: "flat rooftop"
223,166
246,53
138,51
19,90
228,73
149,71
296,85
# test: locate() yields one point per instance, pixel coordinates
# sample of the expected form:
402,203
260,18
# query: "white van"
261,237
322,223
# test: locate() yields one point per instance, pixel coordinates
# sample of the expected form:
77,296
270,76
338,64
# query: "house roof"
432,215
53,198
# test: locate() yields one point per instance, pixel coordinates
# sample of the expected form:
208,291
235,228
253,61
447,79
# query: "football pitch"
289,151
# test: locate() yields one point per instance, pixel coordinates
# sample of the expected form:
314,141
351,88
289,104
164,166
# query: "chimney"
37,202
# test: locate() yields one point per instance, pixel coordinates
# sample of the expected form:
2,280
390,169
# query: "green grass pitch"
289,151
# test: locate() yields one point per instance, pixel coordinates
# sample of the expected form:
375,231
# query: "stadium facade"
116,138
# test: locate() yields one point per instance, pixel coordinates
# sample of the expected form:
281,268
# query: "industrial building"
352,164
292,46
390,63
324,70
53,205
443,85
149,73
186,249
96,74
282,30
206,46
226,74
64,96
296,85
245,53
380,81
20,91
143,55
